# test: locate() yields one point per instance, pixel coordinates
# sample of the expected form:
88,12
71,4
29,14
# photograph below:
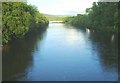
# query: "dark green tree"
18,19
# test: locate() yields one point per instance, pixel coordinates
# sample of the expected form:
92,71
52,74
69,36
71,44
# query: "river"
62,53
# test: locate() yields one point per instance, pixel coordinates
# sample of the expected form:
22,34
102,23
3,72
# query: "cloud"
62,7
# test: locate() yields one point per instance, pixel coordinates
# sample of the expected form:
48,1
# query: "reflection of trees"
106,45
18,55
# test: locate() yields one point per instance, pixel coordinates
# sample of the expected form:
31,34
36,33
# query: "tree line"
19,19
103,16
55,17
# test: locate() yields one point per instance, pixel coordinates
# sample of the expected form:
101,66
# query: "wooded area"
101,16
18,19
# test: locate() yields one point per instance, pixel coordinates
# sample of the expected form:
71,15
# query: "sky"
62,7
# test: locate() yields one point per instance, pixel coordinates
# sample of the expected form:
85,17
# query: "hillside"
55,17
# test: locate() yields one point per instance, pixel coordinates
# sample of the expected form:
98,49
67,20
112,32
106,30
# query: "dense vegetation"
101,16
19,19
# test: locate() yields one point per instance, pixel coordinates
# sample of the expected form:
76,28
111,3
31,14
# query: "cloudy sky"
62,7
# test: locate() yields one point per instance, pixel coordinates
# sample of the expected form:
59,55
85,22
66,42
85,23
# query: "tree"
18,19
101,16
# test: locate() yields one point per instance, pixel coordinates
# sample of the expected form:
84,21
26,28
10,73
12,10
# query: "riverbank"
100,17
19,20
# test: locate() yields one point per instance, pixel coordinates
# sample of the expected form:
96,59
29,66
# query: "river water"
62,53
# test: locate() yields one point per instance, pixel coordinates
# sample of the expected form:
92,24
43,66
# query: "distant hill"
55,17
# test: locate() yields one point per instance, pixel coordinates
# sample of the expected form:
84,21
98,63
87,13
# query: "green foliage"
18,19
79,20
101,16
41,20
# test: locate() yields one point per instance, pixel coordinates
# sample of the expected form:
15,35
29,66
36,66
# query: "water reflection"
62,53
112,38
88,31
17,57
108,51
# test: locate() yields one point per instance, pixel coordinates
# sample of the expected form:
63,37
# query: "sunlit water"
62,53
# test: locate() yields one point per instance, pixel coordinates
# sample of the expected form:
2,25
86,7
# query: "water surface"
62,53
